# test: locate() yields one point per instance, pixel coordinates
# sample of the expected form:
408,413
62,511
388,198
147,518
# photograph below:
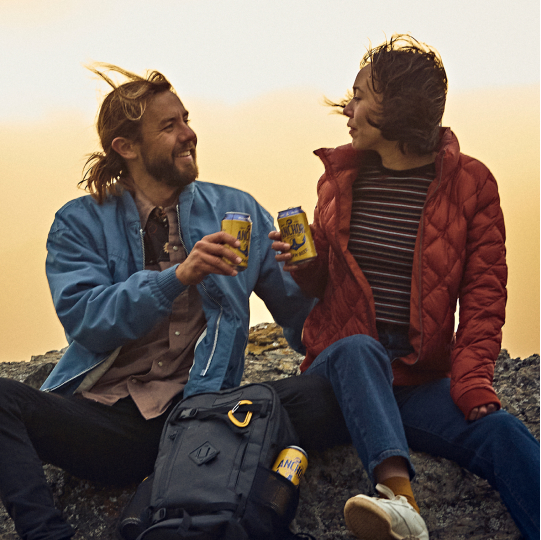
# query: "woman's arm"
482,297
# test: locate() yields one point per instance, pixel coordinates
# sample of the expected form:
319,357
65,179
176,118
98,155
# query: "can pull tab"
234,410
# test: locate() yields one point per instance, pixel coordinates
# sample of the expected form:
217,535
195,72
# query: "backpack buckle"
248,417
158,516
187,413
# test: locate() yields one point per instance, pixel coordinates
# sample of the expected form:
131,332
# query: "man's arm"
206,258
102,307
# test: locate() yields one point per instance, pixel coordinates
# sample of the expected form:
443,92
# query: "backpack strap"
198,528
174,513
243,406
231,414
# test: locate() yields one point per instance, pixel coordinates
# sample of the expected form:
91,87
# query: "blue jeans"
385,421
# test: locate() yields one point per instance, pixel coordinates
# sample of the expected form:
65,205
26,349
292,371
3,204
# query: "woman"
404,227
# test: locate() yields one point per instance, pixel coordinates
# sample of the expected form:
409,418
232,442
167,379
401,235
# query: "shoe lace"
388,493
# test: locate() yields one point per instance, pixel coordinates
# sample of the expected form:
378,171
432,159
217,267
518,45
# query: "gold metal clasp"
234,410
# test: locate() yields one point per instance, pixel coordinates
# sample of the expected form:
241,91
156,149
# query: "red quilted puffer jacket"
459,255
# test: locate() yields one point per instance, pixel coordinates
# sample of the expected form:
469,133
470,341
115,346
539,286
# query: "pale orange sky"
263,146
231,62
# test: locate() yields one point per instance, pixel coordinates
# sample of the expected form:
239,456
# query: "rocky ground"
456,505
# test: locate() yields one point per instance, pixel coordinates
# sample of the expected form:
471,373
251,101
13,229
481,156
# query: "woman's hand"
482,411
282,250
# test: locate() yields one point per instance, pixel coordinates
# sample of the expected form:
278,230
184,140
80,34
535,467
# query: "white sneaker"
393,518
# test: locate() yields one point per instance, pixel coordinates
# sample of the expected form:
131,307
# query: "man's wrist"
181,275
169,284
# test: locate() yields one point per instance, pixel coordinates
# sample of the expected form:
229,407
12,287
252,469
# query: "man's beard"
165,171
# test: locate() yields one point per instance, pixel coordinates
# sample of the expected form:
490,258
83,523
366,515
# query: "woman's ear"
125,148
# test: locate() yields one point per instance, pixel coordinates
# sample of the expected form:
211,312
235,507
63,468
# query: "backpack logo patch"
204,453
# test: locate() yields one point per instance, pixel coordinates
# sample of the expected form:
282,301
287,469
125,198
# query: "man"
154,308
405,226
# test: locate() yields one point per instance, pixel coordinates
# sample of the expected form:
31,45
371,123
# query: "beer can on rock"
291,463
295,230
239,225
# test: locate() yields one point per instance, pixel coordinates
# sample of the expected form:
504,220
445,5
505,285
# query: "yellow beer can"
295,230
239,225
291,463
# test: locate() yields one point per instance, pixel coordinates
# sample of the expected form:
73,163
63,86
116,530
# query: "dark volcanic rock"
456,504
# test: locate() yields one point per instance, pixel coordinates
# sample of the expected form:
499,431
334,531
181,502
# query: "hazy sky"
233,50
253,75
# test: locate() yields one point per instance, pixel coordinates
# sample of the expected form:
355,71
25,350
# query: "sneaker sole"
367,521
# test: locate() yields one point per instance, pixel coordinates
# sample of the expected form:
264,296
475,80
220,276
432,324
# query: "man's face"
364,103
167,146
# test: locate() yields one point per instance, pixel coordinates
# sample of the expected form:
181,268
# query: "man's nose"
186,133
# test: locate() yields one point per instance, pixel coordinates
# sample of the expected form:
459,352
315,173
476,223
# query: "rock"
456,504
265,337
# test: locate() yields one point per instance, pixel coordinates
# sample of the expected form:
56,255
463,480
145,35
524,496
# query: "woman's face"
363,104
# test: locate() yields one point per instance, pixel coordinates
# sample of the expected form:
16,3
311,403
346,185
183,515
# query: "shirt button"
177,333
134,380
175,248
160,364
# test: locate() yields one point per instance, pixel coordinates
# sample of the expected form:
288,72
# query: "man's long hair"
119,116
410,81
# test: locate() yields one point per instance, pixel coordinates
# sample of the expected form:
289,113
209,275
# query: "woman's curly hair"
410,81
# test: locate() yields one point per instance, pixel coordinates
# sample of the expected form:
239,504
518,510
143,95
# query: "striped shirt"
386,210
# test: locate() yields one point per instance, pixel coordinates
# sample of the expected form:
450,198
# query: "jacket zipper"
214,345
328,167
141,236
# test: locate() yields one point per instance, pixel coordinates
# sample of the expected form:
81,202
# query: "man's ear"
124,148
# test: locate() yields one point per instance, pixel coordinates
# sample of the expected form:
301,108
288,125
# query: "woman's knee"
502,428
357,342
360,353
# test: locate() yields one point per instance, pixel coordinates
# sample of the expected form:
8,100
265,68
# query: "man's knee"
313,410
12,391
302,390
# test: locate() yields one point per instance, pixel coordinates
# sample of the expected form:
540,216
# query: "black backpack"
212,479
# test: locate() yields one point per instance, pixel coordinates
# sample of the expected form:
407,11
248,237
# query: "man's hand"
282,249
206,258
483,410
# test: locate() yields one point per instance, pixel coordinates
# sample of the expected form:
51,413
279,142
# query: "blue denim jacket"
104,298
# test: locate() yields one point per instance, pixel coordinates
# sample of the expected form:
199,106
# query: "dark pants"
112,444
